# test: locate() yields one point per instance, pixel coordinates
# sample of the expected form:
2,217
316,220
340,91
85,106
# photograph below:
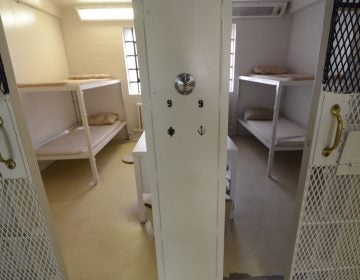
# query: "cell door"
327,245
28,249
184,55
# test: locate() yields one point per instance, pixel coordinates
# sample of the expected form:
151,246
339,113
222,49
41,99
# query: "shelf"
70,85
276,80
72,144
289,136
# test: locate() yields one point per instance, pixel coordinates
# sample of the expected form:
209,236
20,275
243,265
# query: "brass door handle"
336,112
10,163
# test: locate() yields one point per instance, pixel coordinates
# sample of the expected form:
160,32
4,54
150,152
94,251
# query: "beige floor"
258,241
101,238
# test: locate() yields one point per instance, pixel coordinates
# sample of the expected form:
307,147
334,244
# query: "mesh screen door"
28,250
327,243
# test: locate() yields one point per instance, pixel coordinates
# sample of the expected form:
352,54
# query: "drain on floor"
242,276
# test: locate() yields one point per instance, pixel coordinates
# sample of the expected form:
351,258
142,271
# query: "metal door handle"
336,112
10,163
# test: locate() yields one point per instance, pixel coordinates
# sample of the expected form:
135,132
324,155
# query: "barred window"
232,58
131,61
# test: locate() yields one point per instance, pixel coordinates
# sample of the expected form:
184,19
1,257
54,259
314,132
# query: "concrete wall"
38,55
97,47
258,41
35,43
304,48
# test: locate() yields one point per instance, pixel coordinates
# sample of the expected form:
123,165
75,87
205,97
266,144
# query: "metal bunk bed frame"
77,88
280,85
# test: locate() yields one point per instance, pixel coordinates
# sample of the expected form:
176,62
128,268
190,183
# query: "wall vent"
259,9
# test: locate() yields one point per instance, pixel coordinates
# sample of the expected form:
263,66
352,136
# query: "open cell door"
28,249
184,55
327,245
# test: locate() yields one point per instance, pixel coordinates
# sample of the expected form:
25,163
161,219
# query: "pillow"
258,114
102,119
269,70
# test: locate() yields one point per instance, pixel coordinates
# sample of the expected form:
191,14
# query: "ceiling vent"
259,9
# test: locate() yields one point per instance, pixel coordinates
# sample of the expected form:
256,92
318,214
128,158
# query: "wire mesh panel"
328,238
26,252
342,69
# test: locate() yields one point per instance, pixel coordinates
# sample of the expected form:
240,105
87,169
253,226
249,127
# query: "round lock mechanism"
185,83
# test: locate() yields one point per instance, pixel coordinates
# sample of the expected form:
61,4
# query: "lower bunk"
73,144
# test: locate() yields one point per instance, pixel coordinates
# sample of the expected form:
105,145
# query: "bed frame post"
279,93
84,120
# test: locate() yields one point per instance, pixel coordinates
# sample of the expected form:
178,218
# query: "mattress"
288,133
74,142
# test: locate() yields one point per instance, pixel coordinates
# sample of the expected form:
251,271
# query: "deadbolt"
185,83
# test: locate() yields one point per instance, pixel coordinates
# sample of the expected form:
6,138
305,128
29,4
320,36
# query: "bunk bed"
278,134
80,141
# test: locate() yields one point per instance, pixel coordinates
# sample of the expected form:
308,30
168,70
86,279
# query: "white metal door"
28,247
186,133
327,245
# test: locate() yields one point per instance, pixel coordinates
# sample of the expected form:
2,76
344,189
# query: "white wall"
38,55
259,41
35,43
97,47
293,41
297,5
302,58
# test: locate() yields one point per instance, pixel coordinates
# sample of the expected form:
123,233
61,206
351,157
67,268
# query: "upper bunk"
279,80
67,85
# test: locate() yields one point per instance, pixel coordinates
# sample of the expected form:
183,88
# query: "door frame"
33,169
27,151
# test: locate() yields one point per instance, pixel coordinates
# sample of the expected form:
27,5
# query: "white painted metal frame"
279,93
79,88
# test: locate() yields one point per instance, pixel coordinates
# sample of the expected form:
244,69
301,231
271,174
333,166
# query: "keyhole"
169,103
201,103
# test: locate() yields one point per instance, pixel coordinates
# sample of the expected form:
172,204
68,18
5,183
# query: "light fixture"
105,13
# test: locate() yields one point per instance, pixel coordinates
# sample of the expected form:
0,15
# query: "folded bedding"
102,119
258,114
90,76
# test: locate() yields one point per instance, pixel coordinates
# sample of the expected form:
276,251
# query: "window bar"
136,61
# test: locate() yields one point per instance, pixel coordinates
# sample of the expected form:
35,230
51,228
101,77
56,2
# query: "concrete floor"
99,233
258,241
101,238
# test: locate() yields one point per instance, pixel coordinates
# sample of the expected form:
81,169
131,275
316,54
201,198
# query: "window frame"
136,58
232,58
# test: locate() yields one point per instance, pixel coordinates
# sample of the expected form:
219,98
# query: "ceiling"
65,3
